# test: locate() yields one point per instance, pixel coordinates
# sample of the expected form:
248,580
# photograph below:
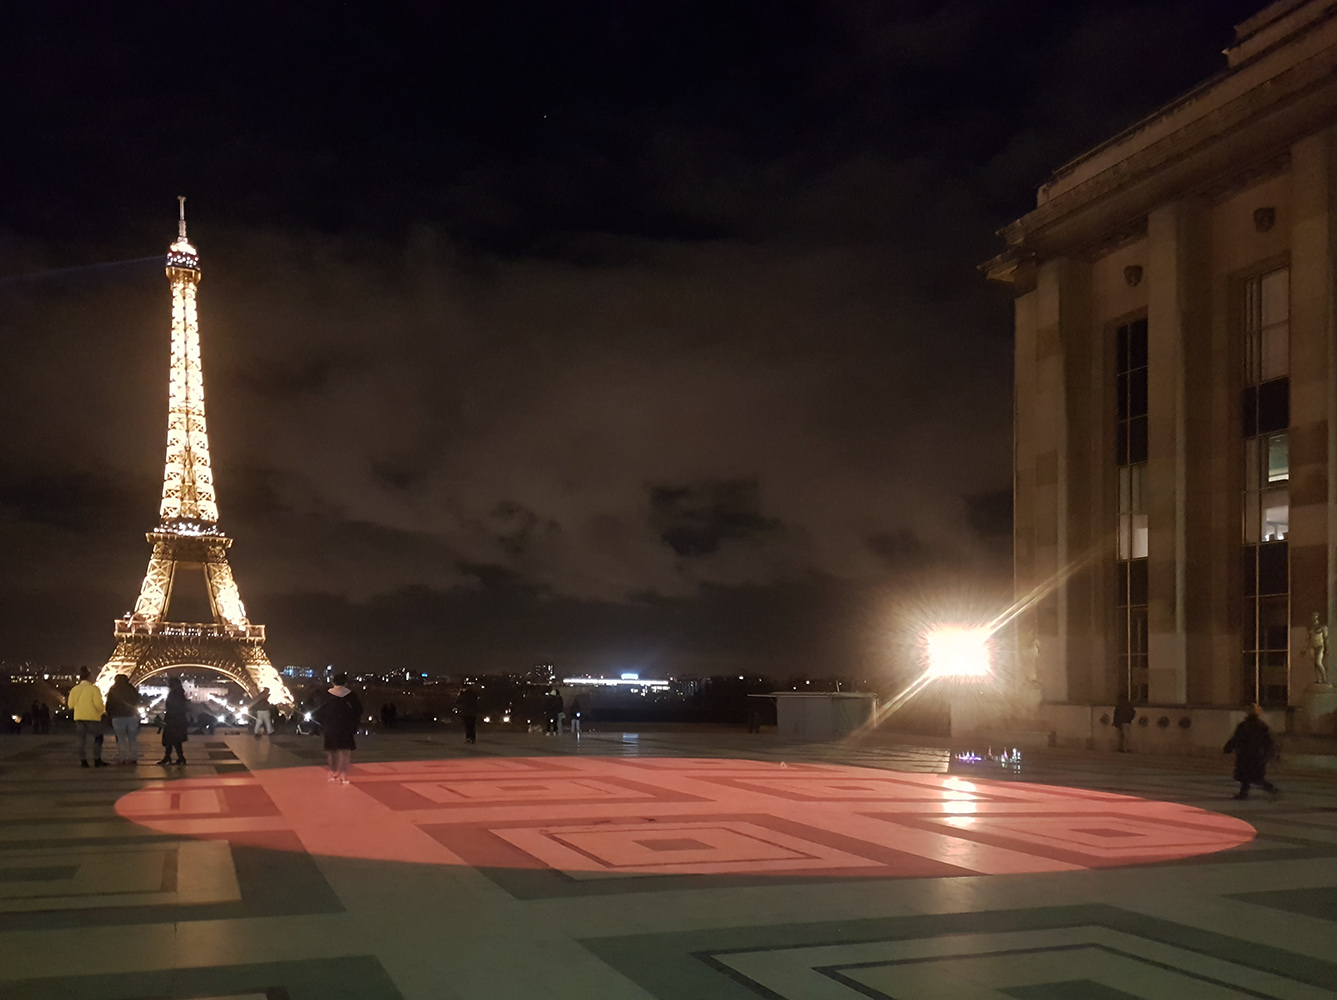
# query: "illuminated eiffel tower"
187,536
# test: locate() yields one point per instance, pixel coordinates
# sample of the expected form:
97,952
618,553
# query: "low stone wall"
1163,729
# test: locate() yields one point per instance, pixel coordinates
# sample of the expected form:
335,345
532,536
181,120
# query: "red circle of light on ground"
598,817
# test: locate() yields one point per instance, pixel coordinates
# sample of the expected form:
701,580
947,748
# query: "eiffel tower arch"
187,538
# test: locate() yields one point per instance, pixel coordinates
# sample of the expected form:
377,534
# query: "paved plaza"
677,866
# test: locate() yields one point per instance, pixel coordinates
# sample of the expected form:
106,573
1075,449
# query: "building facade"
1175,471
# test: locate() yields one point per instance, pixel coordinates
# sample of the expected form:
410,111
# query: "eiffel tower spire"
188,480
187,536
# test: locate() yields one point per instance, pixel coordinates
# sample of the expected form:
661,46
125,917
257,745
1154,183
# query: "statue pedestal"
1318,710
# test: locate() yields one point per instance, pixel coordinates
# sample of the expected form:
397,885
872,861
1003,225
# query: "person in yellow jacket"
85,701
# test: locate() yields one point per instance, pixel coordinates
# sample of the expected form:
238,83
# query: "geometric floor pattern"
615,818
704,864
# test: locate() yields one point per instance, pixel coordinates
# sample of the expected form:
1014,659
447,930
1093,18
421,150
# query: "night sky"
623,334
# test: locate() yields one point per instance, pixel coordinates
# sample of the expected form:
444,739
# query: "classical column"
1313,566
1025,570
1176,313
1051,321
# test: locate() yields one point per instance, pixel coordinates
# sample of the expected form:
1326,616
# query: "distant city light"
616,682
631,677
958,651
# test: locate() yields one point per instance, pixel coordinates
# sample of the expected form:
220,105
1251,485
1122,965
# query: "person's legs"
267,717
332,758
470,728
132,738
81,731
343,764
122,739
180,757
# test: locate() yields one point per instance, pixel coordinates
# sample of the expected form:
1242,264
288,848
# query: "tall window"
1265,416
1131,457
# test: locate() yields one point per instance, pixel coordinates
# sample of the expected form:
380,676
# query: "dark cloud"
617,332
695,520
901,550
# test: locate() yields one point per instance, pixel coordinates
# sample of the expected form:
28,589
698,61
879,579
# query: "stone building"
1176,379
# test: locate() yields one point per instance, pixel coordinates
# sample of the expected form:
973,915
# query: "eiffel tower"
187,536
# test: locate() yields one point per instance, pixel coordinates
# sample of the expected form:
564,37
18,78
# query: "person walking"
85,701
123,709
175,722
264,717
1253,747
467,705
1123,717
339,713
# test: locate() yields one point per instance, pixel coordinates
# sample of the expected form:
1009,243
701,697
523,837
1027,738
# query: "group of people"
338,711
38,716
556,712
120,709
92,714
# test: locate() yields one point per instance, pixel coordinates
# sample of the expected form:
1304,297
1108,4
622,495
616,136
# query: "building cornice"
1194,145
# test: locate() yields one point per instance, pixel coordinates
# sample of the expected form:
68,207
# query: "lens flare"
958,651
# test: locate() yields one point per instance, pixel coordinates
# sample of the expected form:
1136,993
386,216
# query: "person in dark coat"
1124,714
1252,746
339,712
552,708
467,705
175,721
123,709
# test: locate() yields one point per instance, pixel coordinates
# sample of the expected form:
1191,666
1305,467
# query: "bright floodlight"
958,651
